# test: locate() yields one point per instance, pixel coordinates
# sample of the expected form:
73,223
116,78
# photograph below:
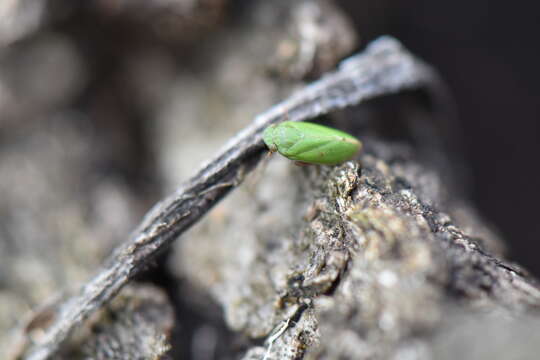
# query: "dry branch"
383,68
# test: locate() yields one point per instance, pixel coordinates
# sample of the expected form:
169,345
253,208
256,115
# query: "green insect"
311,143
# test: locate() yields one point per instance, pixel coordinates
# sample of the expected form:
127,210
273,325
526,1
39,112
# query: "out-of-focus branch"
385,67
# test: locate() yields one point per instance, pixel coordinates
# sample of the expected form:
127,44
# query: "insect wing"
313,143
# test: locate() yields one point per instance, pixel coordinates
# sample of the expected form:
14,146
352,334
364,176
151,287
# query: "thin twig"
385,67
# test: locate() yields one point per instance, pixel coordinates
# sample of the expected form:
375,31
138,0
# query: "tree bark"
381,257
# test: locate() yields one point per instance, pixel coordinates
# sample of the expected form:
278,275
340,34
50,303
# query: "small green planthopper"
311,143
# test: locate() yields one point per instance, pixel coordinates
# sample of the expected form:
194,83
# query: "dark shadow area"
488,53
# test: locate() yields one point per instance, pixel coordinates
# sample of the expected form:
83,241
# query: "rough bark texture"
371,259
381,257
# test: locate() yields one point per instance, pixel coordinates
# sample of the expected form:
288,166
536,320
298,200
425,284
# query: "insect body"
311,143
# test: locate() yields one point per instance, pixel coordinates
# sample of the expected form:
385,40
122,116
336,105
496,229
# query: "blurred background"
487,52
106,105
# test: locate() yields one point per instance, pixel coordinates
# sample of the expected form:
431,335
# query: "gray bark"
381,257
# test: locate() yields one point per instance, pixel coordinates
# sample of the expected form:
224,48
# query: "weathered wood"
384,68
378,258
